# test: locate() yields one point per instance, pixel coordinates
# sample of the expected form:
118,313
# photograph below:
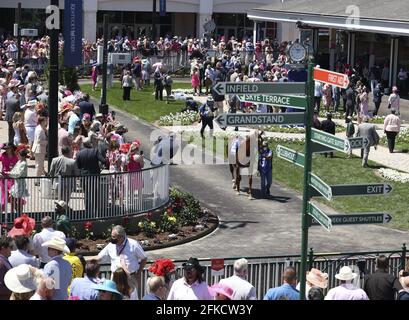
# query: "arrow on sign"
223,88
291,156
245,119
358,190
321,186
357,218
358,142
333,78
319,216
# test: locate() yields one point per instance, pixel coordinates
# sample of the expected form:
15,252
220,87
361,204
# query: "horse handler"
265,167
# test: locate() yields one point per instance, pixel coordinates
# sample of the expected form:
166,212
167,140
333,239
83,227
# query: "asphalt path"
258,227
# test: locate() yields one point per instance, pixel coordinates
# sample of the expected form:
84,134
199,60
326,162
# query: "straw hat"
20,279
57,244
346,274
317,278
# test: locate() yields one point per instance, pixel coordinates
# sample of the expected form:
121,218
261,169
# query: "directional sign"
357,218
223,88
320,186
333,78
245,119
275,100
329,140
291,156
319,216
358,190
358,142
318,148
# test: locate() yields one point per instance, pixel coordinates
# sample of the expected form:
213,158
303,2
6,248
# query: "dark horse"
243,160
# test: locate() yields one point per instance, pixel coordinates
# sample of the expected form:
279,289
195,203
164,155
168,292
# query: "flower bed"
183,220
394,175
181,118
283,129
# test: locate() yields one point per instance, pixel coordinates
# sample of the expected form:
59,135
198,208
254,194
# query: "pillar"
255,33
351,48
204,15
315,39
90,19
332,46
393,67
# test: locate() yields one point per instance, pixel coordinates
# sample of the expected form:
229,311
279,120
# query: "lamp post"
153,20
53,94
103,107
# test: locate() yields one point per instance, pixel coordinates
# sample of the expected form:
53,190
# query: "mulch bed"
161,240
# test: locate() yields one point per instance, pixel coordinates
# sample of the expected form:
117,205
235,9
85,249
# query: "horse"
243,157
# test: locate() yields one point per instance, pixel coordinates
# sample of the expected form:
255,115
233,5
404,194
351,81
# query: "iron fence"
267,272
89,197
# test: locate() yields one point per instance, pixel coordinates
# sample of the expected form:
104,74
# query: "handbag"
389,105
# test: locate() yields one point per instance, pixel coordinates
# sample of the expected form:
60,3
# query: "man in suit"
88,162
368,130
87,107
6,245
350,101
377,98
67,168
12,106
40,145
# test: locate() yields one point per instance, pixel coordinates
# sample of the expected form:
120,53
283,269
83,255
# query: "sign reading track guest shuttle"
333,78
223,88
357,218
245,119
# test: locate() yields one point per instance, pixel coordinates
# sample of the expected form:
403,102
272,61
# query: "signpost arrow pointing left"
221,120
220,88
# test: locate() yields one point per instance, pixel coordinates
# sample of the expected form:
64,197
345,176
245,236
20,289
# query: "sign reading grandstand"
275,100
223,88
247,119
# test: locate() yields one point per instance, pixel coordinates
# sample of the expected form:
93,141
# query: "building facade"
134,17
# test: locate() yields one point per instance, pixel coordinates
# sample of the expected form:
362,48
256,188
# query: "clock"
297,52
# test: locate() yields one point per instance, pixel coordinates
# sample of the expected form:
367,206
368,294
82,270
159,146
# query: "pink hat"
67,93
86,116
222,289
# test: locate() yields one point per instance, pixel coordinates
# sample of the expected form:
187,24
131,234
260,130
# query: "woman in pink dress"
94,76
135,164
8,160
195,80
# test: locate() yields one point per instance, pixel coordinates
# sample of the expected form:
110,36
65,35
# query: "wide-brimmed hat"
32,103
99,115
404,281
317,278
57,244
20,279
22,226
108,285
222,289
62,204
346,274
14,83
193,263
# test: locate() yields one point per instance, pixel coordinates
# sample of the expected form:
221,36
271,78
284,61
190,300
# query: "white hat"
62,204
20,279
57,244
345,274
32,103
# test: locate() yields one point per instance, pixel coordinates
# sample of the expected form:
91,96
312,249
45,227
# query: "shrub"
168,223
148,228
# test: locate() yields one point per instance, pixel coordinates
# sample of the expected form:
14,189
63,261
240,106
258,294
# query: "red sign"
217,264
334,78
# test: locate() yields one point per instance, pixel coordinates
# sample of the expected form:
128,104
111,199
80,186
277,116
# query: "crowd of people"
46,267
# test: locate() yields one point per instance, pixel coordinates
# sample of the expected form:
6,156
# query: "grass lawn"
143,103
340,170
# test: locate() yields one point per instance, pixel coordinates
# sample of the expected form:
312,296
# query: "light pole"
53,94
153,20
103,107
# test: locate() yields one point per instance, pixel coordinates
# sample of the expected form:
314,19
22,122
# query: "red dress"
136,178
7,164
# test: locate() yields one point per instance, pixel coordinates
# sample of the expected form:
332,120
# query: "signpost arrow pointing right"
387,217
387,188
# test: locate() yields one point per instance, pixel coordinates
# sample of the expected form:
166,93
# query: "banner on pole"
217,267
162,8
73,31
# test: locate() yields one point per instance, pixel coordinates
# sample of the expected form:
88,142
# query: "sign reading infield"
223,88
275,100
245,119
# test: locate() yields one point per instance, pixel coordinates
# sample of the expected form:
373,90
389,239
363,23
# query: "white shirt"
19,257
243,290
30,118
45,235
346,291
181,290
36,296
131,255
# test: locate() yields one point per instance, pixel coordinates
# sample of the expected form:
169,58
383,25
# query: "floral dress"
19,189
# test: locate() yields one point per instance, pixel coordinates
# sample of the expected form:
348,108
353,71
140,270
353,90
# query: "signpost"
359,190
319,216
291,156
275,100
217,267
358,142
318,148
245,119
358,218
320,186
333,78
223,88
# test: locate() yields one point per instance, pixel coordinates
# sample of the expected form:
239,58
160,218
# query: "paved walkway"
259,227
